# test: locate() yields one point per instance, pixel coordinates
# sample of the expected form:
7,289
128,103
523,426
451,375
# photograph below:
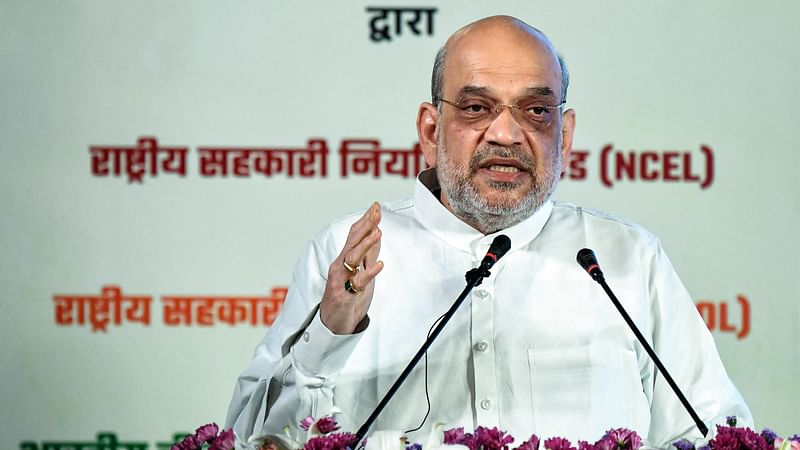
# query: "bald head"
496,34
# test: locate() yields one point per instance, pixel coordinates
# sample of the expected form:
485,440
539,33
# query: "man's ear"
567,132
427,122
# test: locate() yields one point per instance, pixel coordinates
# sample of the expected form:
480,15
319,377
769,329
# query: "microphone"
499,247
588,260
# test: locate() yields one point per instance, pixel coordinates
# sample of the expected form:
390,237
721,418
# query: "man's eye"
474,108
536,110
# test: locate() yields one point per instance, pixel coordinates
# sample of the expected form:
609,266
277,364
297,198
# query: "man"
538,348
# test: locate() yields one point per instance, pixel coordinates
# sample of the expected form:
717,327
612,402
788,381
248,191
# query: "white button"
482,346
306,336
486,403
481,293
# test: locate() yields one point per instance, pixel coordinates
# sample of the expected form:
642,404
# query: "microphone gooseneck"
499,247
588,260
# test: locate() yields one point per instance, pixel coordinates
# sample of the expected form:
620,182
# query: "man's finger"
363,278
362,227
357,254
373,251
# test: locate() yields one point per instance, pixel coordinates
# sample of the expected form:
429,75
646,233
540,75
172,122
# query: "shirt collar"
445,225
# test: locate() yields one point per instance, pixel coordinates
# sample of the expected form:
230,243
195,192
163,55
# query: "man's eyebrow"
483,91
544,91
473,90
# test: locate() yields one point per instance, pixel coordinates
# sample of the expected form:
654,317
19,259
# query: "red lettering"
708,312
645,172
577,165
709,154
671,166
628,166
604,154
723,318
688,175
745,316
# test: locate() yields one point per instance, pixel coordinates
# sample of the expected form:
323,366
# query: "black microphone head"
588,261
500,246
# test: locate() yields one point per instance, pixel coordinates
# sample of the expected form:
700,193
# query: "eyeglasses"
531,114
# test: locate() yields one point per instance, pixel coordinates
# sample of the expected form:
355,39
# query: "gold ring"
348,286
349,268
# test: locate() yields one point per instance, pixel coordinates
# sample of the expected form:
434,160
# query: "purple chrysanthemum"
413,447
327,425
730,438
683,444
605,443
225,441
769,436
457,436
531,444
189,442
753,440
492,439
623,439
334,441
454,436
583,445
558,443
206,433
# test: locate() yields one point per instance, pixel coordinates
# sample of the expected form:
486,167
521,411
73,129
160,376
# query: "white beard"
487,217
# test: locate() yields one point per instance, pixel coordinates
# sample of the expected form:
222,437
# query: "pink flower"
583,445
458,437
454,435
335,441
206,433
730,438
188,443
327,425
306,423
492,439
605,444
531,444
558,443
794,444
225,441
623,439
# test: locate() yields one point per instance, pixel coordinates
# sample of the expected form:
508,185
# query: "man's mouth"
505,169
503,165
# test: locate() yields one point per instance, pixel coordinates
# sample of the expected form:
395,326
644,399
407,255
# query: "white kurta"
537,348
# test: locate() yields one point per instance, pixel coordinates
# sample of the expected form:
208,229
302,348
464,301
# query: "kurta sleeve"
294,368
686,347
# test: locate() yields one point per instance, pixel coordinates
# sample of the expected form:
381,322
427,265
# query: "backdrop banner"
165,163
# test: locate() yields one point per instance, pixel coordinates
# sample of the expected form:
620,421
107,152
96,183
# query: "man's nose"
504,129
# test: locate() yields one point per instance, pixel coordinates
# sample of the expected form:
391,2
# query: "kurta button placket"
482,334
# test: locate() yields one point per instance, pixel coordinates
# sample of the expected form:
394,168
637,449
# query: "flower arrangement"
325,434
731,437
494,439
207,437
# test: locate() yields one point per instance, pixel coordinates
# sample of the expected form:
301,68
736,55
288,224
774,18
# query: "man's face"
497,176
